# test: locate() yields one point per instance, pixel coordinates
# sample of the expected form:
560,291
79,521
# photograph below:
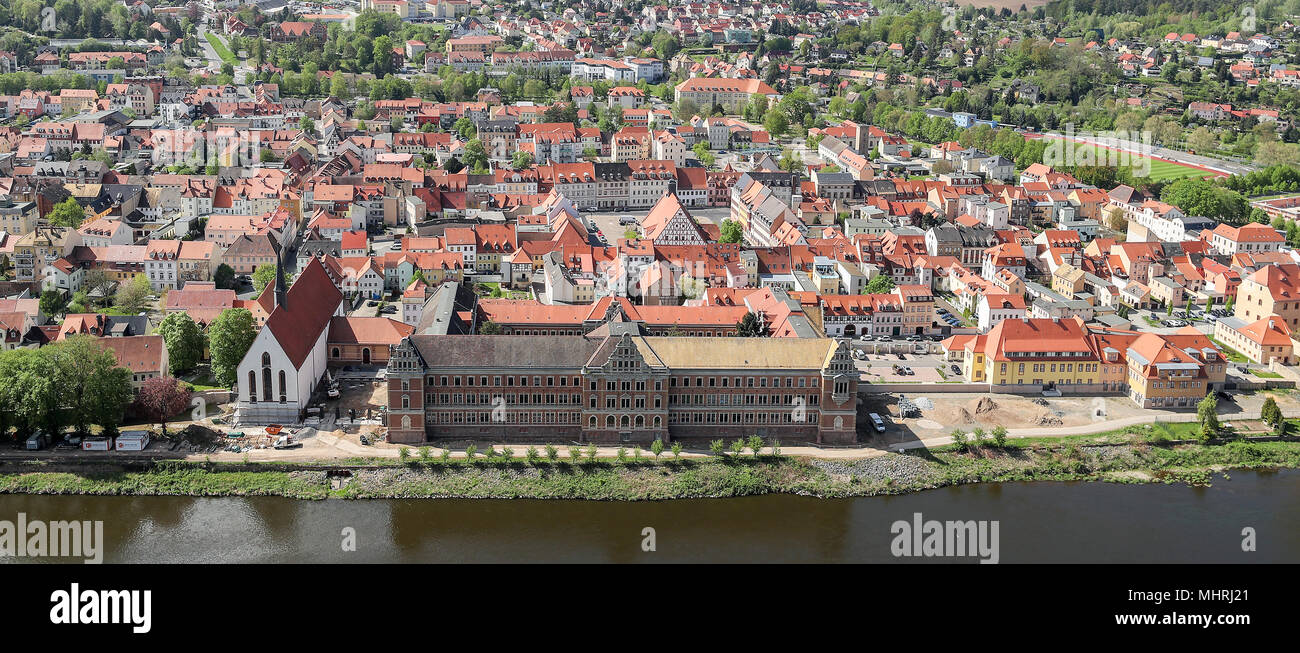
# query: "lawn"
1160,170
1233,355
1265,374
222,51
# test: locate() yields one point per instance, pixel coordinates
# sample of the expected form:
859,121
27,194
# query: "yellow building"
1038,352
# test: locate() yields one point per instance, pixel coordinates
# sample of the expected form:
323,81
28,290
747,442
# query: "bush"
591,452
677,450
575,453
1000,436
718,447
959,439
531,454
621,455
425,454
657,448
445,455
470,451
552,454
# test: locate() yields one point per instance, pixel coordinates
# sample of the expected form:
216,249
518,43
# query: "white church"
288,358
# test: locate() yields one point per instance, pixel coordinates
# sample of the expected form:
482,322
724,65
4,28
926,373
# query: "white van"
877,422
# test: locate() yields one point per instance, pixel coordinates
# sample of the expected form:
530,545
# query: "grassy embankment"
1148,454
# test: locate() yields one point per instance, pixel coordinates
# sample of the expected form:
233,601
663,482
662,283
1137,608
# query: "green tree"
731,232
263,276
755,444
718,447
1208,416
67,213
52,303
776,122
657,448
133,296
522,160
1271,414
229,337
184,341
750,326
224,276
881,283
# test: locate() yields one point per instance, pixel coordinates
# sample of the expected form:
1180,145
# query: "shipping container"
133,441
97,444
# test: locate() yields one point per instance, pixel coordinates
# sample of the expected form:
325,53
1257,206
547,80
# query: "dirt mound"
983,405
199,434
1049,420
964,416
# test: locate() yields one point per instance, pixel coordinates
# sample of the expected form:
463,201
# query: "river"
1038,522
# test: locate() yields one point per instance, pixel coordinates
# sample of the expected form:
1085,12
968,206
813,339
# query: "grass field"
1160,170
222,51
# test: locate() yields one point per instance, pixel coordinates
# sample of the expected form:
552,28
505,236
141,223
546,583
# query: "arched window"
609,421
592,422
623,421
335,353
640,421
406,421
283,396
656,422
266,376
252,386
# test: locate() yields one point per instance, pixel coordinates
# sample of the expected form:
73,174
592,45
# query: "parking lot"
890,367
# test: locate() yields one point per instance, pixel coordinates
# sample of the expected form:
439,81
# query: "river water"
1037,522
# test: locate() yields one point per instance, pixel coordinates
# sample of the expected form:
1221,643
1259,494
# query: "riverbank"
1135,461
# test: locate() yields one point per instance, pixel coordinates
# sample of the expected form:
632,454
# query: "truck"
286,442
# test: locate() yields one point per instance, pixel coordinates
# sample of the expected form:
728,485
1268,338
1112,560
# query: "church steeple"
281,288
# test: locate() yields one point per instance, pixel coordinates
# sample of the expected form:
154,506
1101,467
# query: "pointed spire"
281,288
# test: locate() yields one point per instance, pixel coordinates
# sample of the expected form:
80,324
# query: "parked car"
955,370
877,422
867,338
388,309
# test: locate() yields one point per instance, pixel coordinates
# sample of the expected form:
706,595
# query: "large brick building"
614,385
